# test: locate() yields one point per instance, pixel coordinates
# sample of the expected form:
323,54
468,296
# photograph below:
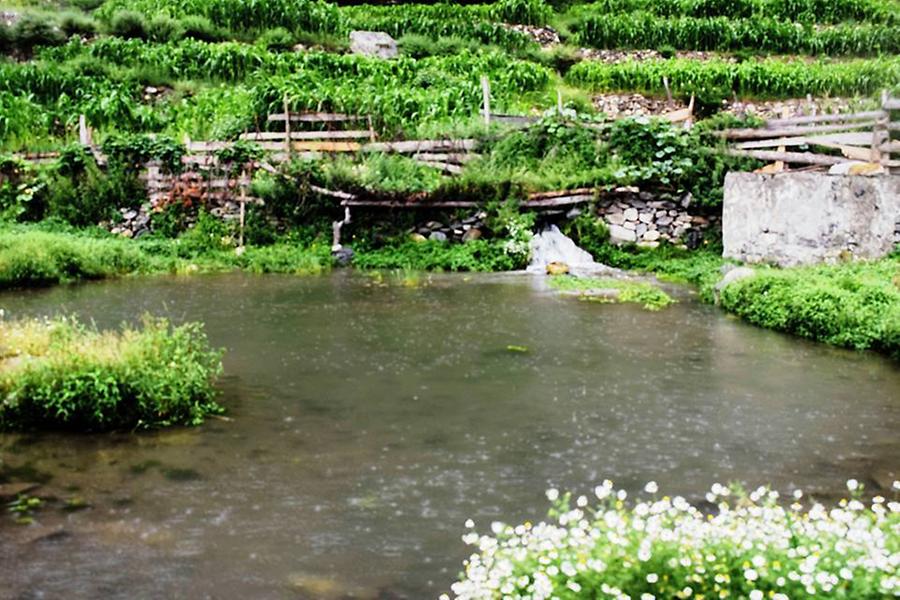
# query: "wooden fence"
861,136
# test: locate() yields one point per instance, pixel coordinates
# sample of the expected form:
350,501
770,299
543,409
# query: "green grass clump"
36,255
32,257
646,294
855,305
478,255
61,374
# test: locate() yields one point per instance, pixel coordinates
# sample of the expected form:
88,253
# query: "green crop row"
718,79
239,15
646,30
102,80
804,11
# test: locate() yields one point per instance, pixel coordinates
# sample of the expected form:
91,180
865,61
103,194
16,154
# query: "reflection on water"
370,421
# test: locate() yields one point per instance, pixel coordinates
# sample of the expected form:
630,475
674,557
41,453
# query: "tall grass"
32,257
61,374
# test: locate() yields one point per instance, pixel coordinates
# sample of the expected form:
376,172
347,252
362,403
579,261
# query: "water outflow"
552,245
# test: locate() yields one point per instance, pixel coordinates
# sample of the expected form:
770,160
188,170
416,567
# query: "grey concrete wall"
804,218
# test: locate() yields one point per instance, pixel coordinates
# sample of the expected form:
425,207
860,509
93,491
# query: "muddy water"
371,420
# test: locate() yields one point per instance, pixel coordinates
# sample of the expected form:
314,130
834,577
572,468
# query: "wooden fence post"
486,96
287,128
559,103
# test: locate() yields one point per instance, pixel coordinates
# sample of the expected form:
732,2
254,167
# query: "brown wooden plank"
756,134
413,146
860,138
560,193
307,135
558,201
316,117
807,158
457,157
825,118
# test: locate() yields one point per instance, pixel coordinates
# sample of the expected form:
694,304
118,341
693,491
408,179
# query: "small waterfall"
551,245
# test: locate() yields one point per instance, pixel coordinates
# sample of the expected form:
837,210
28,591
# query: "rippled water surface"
371,420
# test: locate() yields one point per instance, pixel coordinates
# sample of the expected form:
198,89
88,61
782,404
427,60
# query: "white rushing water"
551,245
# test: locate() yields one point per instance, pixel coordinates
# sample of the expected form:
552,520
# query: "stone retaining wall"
805,218
648,219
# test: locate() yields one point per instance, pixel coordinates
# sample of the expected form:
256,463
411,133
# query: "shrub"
162,28
479,255
278,39
128,24
199,28
60,374
32,31
416,45
646,294
749,547
588,231
7,39
76,23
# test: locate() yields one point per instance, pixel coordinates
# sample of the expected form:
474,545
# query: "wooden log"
456,158
558,201
307,135
807,158
891,147
411,205
315,117
560,193
891,104
826,118
413,146
332,193
860,138
755,134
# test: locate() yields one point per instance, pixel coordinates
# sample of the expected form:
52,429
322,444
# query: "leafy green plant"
479,255
32,31
61,374
527,12
128,24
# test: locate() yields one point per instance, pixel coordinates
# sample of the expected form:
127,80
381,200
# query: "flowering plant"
754,548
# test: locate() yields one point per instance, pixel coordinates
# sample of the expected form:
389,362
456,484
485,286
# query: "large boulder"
373,43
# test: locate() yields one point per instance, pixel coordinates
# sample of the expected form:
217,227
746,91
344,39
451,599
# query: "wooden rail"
861,136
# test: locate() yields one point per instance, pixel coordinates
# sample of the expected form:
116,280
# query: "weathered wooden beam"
891,147
755,134
316,117
457,157
442,166
307,135
333,193
561,193
891,104
413,146
807,158
860,138
558,201
825,118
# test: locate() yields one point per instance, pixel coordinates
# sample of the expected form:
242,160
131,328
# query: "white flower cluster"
752,548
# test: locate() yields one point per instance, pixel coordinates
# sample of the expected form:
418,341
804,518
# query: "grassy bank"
852,305
34,256
61,374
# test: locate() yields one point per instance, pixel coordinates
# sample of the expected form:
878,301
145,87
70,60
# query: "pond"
372,418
